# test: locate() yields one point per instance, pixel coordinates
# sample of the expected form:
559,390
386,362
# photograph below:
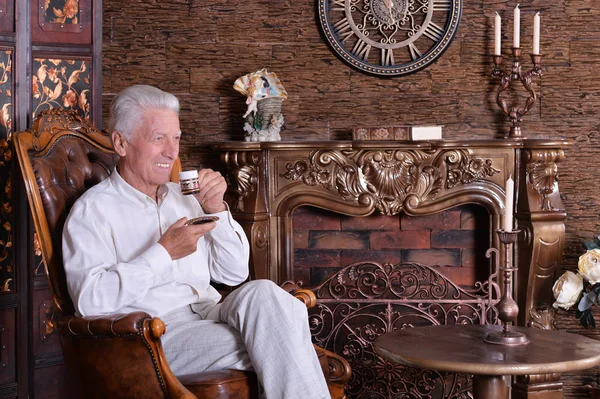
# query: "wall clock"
389,37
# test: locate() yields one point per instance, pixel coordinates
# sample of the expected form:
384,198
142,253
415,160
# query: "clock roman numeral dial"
389,37
442,5
343,29
338,5
387,57
414,51
434,32
361,49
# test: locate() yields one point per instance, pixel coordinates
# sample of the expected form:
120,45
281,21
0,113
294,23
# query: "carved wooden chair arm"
339,374
101,342
104,326
305,295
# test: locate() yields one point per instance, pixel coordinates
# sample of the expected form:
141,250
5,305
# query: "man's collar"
128,191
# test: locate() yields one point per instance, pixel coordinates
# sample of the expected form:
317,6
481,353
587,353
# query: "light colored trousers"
257,327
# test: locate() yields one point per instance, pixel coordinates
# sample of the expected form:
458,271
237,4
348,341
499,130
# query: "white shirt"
113,261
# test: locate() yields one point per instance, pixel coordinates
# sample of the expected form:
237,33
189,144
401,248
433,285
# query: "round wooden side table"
461,349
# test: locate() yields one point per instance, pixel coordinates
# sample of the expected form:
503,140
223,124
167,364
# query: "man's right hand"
180,240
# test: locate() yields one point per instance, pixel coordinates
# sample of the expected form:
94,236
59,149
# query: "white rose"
589,265
567,289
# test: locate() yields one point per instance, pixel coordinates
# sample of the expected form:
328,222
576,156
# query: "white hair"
129,105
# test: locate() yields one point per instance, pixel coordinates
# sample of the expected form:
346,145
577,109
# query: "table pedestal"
489,387
537,387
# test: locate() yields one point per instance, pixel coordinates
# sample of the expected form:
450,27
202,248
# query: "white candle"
517,28
497,35
536,33
508,205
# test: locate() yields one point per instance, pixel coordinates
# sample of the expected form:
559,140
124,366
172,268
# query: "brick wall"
454,241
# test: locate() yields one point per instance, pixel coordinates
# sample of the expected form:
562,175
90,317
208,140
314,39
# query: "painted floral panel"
61,11
6,213
61,84
6,97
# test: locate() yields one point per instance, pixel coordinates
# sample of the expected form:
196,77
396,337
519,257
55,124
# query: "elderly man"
127,248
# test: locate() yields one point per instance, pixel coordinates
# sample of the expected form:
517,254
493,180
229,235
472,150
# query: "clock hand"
389,4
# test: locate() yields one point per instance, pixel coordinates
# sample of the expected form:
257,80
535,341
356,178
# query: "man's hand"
180,240
212,189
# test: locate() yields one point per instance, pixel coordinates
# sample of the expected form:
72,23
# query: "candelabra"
515,113
508,309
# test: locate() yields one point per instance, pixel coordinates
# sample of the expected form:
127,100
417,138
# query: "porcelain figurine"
264,94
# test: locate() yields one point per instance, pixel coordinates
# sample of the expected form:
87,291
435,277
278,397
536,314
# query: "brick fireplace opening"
380,273
454,242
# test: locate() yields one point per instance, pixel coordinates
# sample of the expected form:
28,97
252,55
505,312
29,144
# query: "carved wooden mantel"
269,180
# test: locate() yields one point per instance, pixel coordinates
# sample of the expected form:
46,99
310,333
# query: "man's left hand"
212,188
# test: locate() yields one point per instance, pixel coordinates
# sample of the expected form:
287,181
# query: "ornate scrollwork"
381,177
364,300
310,174
543,177
516,73
57,118
243,178
244,181
462,169
52,120
386,178
543,318
542,173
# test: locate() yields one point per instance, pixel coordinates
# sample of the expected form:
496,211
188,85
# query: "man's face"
149,156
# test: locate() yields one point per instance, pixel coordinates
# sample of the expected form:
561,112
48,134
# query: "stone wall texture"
196,49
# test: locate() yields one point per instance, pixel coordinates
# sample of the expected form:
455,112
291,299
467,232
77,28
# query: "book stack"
416,133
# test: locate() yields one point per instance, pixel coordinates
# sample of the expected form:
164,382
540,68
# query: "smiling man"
127,248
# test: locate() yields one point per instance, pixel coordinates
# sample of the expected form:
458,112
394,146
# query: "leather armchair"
117,356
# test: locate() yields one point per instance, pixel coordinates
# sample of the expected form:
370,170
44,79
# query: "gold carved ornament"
542,173
388,178
243,178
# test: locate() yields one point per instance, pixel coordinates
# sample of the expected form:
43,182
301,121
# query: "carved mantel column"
541,216
269,180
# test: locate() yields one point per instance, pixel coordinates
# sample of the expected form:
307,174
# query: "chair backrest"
60,157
